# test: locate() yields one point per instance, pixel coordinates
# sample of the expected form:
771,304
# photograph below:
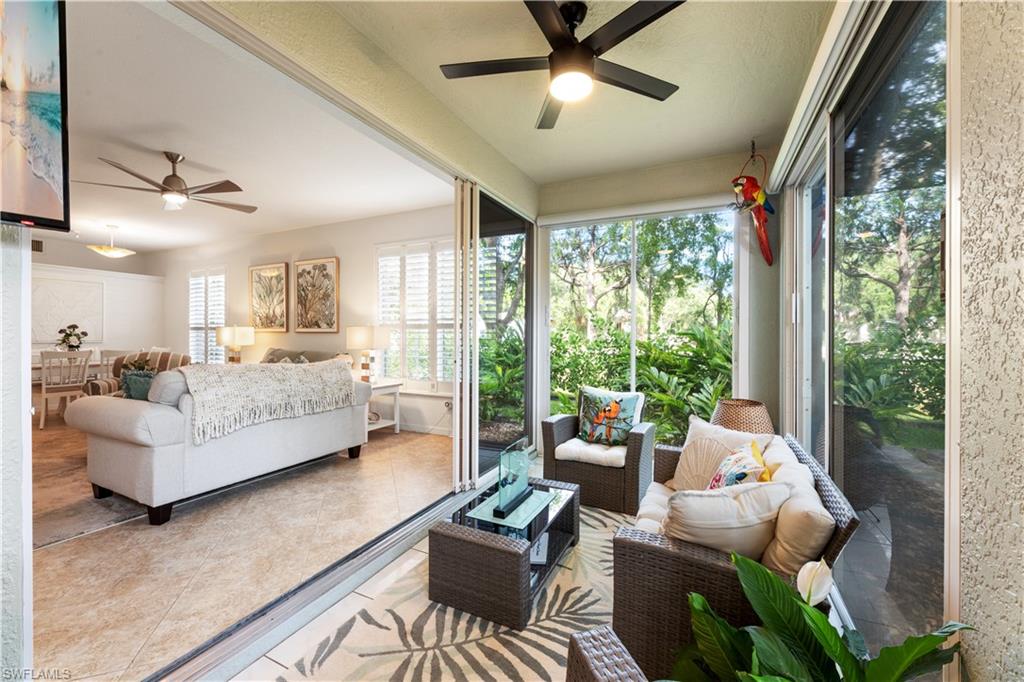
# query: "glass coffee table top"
479,512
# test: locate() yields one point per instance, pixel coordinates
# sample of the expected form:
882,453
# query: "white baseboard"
423,428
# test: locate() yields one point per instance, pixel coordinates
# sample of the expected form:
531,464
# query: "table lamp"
233,338
366,340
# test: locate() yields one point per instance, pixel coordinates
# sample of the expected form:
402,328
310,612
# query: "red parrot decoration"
751,197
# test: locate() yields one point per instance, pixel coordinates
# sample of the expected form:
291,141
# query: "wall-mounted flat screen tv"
34,113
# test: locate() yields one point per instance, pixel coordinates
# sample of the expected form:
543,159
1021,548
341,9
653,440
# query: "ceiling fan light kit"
572,73
573,65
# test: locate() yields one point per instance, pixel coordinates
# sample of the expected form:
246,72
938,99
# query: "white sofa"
143,449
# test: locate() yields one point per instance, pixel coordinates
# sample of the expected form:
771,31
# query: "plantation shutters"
416,300
206,311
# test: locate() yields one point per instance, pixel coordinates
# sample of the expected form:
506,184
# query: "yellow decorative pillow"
755,451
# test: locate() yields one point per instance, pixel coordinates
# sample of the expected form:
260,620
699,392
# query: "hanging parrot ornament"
750,196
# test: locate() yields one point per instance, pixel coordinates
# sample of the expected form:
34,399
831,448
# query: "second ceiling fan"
575,64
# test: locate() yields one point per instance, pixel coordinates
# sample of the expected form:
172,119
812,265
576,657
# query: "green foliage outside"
796,642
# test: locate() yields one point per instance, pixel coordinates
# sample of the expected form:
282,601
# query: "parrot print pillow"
607,417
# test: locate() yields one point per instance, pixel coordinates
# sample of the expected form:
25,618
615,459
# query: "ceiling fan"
575,64
173,188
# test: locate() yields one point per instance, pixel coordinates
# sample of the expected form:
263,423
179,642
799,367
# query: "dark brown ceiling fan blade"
549,113
213,187
551,22
104,184
634,81
225,204
494,66
628,22
129,171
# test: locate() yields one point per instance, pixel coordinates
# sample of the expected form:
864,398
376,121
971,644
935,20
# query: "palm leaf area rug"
403,636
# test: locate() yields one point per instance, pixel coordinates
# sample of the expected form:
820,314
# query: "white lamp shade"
235,337
366,338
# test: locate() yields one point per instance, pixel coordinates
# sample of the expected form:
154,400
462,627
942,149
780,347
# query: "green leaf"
774,657
893,662
851,667
724,648
855,643
778,607
747,677
932,662
689,666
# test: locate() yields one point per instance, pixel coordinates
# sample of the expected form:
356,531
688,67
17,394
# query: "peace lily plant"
795,641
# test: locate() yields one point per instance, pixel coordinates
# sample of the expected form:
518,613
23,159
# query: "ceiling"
739,67
142,81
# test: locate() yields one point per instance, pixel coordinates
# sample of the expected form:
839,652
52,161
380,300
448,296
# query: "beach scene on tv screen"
30,109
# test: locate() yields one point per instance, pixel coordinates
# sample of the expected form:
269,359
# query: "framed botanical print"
268,297
316,295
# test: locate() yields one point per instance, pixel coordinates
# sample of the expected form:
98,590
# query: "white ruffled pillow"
739,518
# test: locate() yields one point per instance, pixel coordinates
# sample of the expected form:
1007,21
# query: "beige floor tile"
260,671
324,625
411,561
132,597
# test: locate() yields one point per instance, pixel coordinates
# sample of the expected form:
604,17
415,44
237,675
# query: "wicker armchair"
612,488
598,656
161,361
654,573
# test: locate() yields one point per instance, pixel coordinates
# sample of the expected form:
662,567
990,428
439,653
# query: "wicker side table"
598,656
477,570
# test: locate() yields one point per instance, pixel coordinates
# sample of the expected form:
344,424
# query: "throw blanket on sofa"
232,397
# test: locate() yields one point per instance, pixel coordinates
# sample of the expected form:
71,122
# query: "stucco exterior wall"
992,352
15,457
319,39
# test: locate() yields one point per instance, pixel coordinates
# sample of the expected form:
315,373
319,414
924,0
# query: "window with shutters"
206,311
416,302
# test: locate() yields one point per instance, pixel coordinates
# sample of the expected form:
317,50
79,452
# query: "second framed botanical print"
316,295
268,297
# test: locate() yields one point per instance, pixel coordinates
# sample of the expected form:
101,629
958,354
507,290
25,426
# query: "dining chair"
62,375
107,358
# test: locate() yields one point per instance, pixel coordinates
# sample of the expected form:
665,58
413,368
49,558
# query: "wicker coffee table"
485,568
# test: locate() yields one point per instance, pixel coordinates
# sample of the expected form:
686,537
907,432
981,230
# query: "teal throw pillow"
135,383
607,417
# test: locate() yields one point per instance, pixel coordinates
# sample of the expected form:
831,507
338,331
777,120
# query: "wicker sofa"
617,489
653,574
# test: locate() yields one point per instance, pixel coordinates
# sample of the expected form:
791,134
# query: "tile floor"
126,600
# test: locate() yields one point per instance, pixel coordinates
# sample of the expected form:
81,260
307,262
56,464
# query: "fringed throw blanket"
232,397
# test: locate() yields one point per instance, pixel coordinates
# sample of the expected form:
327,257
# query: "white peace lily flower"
814,582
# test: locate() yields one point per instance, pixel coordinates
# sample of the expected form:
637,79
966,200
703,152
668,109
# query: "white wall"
355,245
133,307
60,251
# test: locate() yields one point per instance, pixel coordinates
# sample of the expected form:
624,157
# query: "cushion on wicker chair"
654,506
578,450
738,518
731,439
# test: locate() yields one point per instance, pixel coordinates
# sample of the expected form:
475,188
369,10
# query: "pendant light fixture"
110,251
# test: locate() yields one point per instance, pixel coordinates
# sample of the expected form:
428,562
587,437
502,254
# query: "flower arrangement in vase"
71,337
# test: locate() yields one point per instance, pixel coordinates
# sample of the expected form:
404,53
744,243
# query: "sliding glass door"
888,325
503,327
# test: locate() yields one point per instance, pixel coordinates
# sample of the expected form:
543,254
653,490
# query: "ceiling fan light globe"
175,198
571,86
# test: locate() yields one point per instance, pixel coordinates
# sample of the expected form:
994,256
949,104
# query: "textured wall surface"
15,503
992,354
317,37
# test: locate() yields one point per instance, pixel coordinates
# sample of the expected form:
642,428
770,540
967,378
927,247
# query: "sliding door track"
231,651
